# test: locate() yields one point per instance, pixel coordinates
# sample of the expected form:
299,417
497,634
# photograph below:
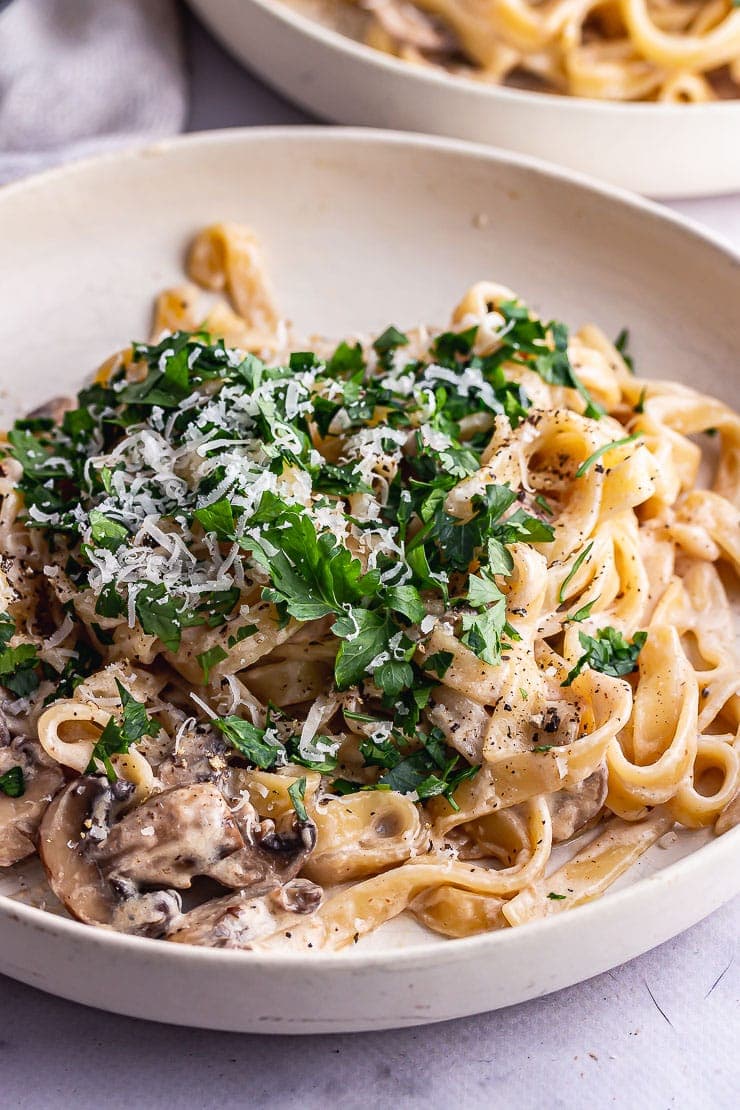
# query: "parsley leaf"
106,533
346,360
608,652
602,451
622,345
218,518
439,663
582,613
249,741
326,763
364,634
482,632
297,793
390,340
433,770
117,737
209,659
12,783
18,664
160,615
406,601
312,575
573,571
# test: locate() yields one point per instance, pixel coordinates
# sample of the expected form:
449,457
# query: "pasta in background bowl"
411,715
677,51
640,94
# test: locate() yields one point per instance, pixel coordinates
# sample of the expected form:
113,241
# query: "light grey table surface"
659,1032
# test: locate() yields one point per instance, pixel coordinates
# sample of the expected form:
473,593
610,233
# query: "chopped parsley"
297,794
622,344
198,483
608,652
525,340
209,659
432,770
602,451
263,748
118,735
12,783
439,662
250,742
573,571
583,613
18,665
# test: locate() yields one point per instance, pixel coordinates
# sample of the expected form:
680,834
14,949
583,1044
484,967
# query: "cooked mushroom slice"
190,831
152,914
298,896
171,838
68,840
72,873
573,809
20,817
52,410
269,858
576,807
409,26
198,757
239,919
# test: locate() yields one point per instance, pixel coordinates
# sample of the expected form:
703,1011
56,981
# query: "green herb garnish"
12,783
118,736
622,345
573,571
602,451
608,652
297,793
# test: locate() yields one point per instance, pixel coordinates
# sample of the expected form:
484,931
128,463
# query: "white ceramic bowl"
658,149
360,229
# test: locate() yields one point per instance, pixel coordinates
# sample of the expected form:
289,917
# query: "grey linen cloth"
81,76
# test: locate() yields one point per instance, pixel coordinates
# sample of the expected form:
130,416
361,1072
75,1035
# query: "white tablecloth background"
601,1044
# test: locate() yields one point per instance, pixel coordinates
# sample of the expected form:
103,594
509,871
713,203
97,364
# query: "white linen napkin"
79,76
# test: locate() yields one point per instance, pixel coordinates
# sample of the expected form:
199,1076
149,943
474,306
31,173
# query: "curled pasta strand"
365,906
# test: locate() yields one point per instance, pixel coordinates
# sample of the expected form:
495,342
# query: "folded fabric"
80,76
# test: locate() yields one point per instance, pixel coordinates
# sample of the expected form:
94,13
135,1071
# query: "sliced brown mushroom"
20,817
269,859
70,832
409,26
577,807
171,838
190,831
65,852
198,757
53,409
572,810
239,919
125,870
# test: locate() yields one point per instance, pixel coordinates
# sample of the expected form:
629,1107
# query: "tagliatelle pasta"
296,638
677,51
